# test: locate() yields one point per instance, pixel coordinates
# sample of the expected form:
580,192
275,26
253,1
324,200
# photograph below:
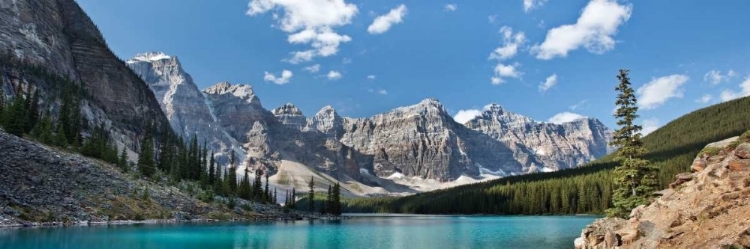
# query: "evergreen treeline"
587,189
56,120
331,203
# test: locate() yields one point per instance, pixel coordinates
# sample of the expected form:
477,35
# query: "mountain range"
405,150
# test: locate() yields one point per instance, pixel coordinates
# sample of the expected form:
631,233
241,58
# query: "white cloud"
650,125
346,60
715,76
333,75
309,22
383,23
565,117
370,77
313,69
593,30
511,42
286,75
728,95
463,116
705,99
579,104
529,5
451,7
548,83
505,71
492,18
658,91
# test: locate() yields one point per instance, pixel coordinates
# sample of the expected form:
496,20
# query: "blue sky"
537,58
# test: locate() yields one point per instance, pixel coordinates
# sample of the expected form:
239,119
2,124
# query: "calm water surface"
362,231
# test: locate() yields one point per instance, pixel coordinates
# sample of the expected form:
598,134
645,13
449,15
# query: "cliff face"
58,36
708,208
186,107
542,146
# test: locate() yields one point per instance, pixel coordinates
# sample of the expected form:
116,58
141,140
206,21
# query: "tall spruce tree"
336,200
244,190
294,198
258,185
311,195
146,165
268,197
211,169
634,179
231,177
329,200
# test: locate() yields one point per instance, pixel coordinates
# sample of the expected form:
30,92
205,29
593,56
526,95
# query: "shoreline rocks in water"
709,208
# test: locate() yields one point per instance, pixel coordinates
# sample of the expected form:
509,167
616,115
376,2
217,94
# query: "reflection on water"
362,231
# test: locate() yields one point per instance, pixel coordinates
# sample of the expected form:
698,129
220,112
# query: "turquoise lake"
361,231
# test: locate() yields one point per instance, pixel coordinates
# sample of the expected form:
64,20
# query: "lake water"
362,231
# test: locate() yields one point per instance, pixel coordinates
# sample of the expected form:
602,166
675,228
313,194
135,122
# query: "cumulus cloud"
505,71
715,76
728,95
450,7
309,22
529,5
565,117
511,43
383,23
313,69
594,30
650,125
286,75
463,116
658,91
548,83
333,75
370,77
704,99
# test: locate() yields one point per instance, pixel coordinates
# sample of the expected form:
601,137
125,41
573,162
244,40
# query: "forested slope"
586,189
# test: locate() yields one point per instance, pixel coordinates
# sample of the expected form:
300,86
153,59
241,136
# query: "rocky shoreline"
709,208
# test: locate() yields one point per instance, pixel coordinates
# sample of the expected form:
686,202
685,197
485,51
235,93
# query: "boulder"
611,239
738,164
681,178
698,164
743,151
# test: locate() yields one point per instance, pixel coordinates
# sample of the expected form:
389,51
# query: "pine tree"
294,198
212,169
123,160
193,159
336,200
287,199
634,178
275,200
60,138
267,191
329,201
166,153
311,195
2,100
33,111
244,190
14,120
146,164
258,186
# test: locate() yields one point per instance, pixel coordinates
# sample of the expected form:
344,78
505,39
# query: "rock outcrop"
708,208
541,146
41,184
58,36
188,110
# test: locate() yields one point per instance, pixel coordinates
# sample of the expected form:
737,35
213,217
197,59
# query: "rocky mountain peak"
150,57
241,91
287,109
